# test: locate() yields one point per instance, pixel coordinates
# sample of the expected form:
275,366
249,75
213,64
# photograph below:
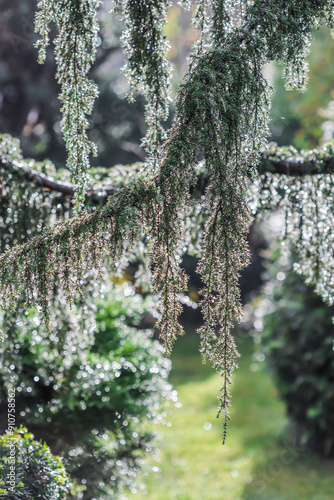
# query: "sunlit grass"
258,462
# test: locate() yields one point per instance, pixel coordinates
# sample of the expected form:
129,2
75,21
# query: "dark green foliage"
38,474
298,338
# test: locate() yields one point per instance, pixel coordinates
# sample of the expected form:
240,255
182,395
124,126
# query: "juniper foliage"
221,116
75,48
147,68
307,203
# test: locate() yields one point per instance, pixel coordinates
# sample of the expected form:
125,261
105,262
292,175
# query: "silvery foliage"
222,115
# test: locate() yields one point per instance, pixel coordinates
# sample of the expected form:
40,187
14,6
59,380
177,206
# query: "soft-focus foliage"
298,338
307,205
38,474
24,209
302,119
89,388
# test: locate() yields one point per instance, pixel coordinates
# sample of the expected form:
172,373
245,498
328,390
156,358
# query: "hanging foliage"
221,116
147,68
75,48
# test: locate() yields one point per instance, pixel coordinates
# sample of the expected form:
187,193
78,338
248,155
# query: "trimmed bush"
297,339
28,470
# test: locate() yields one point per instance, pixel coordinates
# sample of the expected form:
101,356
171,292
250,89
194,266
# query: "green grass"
258,462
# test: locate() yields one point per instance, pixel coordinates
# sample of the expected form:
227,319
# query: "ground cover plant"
38,474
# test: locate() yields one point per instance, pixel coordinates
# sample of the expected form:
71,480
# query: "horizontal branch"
311,164
41,180
274,162
73,246
47,182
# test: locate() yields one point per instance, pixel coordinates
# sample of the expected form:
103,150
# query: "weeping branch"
222,115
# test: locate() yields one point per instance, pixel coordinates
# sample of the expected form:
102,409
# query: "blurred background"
280,442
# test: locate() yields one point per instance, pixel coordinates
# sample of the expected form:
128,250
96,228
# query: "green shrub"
28,470
297,339
90,387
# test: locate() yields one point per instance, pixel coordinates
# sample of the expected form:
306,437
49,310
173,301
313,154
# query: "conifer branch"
275,161
75,49
41,180
221,114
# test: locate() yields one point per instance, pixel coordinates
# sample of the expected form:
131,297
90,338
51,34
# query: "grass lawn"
258,462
